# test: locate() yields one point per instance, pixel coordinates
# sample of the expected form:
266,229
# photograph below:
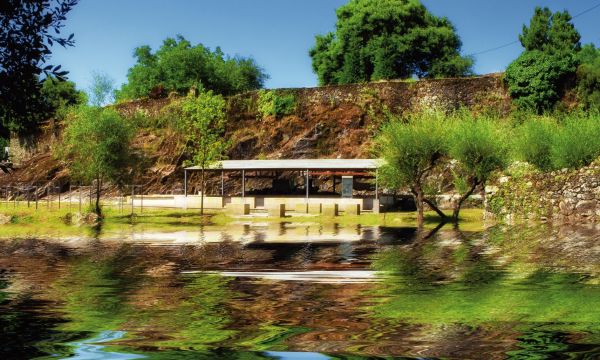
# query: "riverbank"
23,221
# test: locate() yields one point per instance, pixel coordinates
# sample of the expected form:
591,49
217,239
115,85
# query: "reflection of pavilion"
272,233
342,172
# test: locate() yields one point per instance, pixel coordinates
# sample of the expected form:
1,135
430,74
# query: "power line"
516,41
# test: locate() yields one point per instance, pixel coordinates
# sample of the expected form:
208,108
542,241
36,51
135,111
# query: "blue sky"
278,33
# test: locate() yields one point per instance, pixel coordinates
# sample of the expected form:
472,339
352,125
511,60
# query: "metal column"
222,183
243,184
185,182
307,185
376,185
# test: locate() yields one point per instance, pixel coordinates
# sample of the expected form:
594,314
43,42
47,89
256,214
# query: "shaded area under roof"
295,164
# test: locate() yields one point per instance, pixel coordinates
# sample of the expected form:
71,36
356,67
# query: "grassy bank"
48,221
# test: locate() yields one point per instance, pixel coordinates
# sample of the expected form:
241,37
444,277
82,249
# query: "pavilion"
346,169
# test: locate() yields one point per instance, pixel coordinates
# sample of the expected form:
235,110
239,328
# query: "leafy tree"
537,77
387,39
178,66
551,33
588,78
61,95
577,141
534,142
28,29
412,149
101,92
97,146
479,146
204,116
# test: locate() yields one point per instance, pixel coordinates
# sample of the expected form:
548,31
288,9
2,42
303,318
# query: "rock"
586,208
5,219
566,207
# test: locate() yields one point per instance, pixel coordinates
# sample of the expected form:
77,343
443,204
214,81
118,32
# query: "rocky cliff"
327,122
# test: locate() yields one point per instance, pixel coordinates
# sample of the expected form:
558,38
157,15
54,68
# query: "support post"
307,185
376,184
222,183
185,182
244,185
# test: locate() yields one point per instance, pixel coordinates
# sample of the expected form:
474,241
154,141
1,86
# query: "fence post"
142,198
80,195
36,196
132,195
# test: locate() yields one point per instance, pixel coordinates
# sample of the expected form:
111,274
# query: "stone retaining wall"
564,196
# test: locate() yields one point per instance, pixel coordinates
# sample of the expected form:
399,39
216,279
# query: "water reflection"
268,292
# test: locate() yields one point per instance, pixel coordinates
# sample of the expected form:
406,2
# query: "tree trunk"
462,199
98,187
434,207
203,185
418,193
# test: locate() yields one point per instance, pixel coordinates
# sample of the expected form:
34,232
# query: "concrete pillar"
314,208
239,209
330,210
376,207
352,209
276,210
301,208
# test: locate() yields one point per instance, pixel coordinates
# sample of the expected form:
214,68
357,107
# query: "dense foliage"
178,65
28,29
588,78
204,118
270,103
387,39
533,142
479,146
411,149
536,79
97,146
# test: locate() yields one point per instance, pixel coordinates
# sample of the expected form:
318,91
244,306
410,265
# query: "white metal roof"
296,164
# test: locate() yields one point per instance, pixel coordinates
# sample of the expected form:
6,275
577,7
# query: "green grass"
51,221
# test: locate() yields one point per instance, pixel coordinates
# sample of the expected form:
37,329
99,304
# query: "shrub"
588,78
533,142
411,149
3,144
479,145
577,143
535,79
272,104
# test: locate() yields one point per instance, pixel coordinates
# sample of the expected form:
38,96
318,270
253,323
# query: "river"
303,291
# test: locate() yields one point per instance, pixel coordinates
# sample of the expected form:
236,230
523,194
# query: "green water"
284,291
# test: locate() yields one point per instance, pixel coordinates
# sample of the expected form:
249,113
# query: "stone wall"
563,196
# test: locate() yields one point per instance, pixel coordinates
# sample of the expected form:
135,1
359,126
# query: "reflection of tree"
429,284
193,314
26,333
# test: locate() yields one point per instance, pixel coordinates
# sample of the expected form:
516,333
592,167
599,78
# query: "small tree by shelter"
96,146
479,146
204,118
412,149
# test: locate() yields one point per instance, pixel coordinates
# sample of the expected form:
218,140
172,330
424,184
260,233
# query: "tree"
60,95
588,78
101,91
551,33
411,150
479,146
28,29
387,39
204,116
537,77
96,146
177,66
